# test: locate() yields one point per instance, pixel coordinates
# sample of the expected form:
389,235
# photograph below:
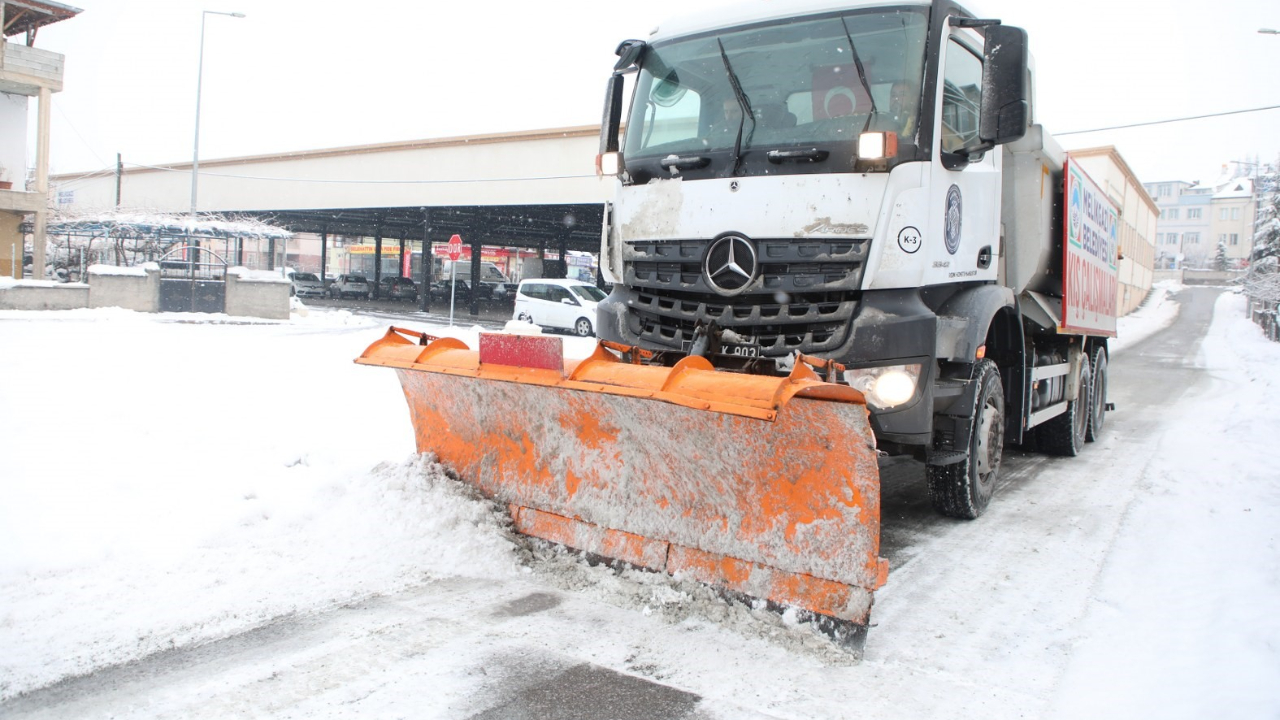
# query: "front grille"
807,324
805,300
790,266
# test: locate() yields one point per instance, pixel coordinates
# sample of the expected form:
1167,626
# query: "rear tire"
582,328
1064,435
1098,398
964,489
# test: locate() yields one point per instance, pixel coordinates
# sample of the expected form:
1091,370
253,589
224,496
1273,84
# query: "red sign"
455,247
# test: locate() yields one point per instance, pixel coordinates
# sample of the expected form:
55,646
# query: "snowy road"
1139,579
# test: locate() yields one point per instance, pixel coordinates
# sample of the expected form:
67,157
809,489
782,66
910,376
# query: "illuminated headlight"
608,163
877,145
885,387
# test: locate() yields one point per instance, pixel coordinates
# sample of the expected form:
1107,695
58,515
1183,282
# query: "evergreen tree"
1266,240
1220,260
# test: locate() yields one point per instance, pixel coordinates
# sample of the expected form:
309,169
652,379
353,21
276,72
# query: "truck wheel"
1065,434
963,489
1098,398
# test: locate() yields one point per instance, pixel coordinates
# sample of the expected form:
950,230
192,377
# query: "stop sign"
455,247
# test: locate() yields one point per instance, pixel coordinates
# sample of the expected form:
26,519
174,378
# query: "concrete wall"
44,295
13,139
140,290
1210,277
251,294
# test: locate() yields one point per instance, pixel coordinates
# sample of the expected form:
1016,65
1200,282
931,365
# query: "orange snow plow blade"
763,486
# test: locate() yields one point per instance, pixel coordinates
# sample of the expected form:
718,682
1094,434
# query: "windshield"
816,84
590,293
305,277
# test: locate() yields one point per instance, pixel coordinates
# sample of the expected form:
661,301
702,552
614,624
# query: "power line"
1171,120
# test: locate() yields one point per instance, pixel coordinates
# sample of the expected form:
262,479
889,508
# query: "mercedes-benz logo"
731,265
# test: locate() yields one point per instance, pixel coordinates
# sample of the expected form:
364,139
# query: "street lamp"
195,154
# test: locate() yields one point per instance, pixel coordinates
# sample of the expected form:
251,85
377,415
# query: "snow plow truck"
837,233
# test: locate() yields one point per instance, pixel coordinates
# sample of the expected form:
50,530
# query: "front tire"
582,328
964,489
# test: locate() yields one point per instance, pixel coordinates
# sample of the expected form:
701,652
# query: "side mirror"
567,301
628,52
1006,96
611,123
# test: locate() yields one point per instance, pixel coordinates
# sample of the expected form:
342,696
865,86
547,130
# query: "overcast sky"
306,74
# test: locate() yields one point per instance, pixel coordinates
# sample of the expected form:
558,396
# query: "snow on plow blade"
763,486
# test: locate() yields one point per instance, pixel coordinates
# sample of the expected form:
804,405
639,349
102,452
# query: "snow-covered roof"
1237,188
30,15
141,224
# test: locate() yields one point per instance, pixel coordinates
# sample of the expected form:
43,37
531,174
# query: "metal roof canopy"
27,16
577,226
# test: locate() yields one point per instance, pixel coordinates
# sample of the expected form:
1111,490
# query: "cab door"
561,314
964,196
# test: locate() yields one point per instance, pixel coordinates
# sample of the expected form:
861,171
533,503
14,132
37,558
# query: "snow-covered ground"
169,481
1155,314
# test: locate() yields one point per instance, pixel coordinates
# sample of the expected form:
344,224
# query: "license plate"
740,350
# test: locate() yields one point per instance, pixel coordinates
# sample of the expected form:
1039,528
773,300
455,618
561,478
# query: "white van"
565,304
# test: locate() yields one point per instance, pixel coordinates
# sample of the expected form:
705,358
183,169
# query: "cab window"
961,98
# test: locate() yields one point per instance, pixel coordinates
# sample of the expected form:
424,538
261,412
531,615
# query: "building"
1195,218
1182,230
1138,217
1231,221
25,72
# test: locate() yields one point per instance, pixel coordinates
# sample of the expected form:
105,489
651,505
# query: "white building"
1196,217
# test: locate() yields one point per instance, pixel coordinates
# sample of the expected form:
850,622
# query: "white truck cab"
829,178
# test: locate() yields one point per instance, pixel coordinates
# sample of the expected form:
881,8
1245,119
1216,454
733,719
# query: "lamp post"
195,154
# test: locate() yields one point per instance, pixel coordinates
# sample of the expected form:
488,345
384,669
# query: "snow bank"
197,480
1183,622
1156,313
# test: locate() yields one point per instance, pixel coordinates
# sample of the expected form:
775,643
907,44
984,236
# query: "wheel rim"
990,442
584,327
1100,397
1083,407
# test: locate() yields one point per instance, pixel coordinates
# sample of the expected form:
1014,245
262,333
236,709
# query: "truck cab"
828,179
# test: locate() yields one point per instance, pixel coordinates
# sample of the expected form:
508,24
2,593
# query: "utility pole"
119,177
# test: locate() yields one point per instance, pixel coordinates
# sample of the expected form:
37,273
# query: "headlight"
885,387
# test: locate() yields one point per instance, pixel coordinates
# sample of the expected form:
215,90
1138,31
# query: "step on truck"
837,232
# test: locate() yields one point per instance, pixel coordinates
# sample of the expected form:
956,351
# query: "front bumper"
890,327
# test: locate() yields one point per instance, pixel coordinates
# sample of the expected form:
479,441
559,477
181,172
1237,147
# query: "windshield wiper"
804,155
862,74
743,103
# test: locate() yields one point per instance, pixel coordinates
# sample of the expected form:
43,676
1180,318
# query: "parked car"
307,285
440,290
398,288
563,304
494,285
349,286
